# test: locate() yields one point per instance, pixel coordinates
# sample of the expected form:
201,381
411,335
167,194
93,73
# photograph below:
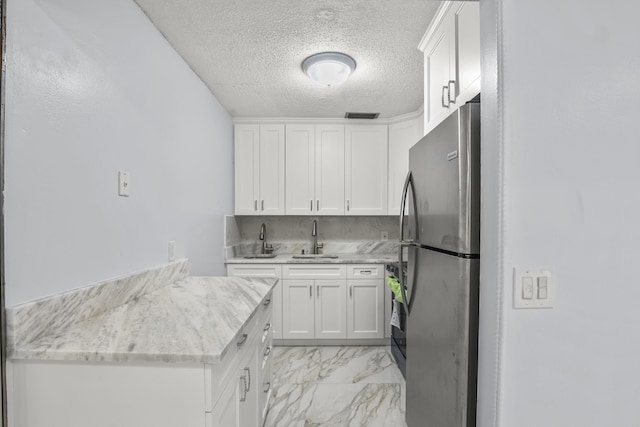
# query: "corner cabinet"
402,136
451,49
314,169
366,156
259,169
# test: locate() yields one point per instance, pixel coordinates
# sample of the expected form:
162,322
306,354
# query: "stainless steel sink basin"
260,256
314,256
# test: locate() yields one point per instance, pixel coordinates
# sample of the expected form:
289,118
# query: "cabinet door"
300,179
330,309
225,413
248,392
402,136
366,169
247,169
365,308
329,170
271,180
297,309
440,69
467,22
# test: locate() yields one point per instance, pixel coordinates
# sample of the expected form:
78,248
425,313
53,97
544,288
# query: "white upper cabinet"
300,167
272,158
314,169
402,136
366,152
247,169
329,165
451,49
259,169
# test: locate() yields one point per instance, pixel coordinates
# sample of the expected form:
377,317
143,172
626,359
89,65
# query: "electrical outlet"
172,250
384,236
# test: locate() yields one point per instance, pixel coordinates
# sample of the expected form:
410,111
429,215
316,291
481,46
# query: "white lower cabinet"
298,309
237,384
330,309
365,308
333,301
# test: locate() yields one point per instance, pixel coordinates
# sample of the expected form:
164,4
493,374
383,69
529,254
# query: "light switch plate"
543,286
124,184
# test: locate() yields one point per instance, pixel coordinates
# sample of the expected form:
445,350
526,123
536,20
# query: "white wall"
567,104
93,88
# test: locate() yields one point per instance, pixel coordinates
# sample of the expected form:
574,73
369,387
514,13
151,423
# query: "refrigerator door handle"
406,243
401,276
403,203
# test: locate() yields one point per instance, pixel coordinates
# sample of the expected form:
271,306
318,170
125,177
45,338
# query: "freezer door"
442,331
446,171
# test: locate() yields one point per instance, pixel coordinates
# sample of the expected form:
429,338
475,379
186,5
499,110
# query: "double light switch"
532,289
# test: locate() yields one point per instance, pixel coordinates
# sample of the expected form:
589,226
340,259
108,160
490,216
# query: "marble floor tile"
336,386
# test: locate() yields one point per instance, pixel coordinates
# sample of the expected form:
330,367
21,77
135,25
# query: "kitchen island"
181,353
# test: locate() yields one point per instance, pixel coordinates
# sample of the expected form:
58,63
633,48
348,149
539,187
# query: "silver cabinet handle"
267,302
255,205
243,389
310,292
365,272
242,340
442,98
267,327
351,291
266,390
451,82
347,206
262,204
318,290
318,205
311,205
267,351
248,386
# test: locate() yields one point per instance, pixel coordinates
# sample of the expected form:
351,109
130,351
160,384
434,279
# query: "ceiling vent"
361,115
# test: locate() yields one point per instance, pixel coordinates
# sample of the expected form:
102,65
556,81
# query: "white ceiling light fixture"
329,68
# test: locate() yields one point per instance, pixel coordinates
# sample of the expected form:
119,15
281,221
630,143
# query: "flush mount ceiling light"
329,68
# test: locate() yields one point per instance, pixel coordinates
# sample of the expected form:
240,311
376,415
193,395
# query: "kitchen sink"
314,256
260,256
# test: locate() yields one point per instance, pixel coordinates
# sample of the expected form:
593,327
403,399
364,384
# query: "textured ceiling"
249,52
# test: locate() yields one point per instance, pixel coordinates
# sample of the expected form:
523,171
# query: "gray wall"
94,88
560,142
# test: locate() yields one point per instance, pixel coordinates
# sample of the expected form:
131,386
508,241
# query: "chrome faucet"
314,233
266,248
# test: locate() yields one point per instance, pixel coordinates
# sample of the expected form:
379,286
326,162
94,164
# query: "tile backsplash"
291,234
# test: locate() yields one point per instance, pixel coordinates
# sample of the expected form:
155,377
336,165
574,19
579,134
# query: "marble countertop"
368,258
193,320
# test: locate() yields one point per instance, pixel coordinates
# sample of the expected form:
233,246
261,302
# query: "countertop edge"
53,353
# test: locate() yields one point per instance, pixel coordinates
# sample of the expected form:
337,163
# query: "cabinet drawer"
314,271
254,270
365,271
217,375
265,311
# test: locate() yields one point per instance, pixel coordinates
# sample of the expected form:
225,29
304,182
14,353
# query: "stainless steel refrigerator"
440,239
